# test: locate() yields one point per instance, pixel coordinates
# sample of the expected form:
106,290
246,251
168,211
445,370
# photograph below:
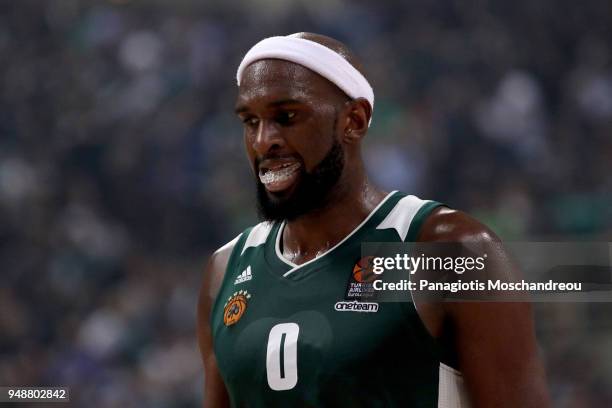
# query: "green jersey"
288,335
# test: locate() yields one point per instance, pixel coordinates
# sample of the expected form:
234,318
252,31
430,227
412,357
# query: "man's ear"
357,119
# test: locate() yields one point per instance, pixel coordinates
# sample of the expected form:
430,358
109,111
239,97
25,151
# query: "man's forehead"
285,79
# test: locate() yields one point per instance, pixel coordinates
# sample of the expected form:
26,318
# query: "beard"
312,192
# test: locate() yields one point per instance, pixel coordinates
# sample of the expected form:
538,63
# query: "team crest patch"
235,307
360,283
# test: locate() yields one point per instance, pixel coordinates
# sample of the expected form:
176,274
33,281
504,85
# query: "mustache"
275,156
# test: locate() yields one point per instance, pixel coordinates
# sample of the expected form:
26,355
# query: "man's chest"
326,325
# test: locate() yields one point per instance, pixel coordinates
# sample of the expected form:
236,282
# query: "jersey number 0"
281,358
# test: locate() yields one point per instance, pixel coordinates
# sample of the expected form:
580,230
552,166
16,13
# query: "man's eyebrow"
243,108
240,109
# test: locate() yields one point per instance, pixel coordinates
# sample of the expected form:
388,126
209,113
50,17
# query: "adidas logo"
246,275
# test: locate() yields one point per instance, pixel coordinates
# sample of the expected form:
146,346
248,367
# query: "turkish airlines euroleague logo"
360,284
363,271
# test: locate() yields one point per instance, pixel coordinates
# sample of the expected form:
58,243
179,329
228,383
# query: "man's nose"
268,137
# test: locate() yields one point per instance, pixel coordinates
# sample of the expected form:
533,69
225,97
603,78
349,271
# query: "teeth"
280,174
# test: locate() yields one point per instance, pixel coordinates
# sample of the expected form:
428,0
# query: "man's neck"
313,234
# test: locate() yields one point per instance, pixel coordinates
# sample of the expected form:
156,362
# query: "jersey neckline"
294,267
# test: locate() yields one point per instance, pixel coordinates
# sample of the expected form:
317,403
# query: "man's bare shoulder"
211,283
448,225
215,269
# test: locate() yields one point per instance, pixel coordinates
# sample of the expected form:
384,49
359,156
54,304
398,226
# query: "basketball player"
274,325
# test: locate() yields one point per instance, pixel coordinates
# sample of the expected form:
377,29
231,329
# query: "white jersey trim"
257,236
401,216
451,389
295,267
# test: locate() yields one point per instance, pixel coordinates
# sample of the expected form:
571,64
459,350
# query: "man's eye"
251,121
285,117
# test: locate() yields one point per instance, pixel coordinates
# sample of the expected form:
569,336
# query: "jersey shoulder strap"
249,240
256,236
407,216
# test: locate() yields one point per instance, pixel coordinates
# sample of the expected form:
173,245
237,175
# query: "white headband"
315,57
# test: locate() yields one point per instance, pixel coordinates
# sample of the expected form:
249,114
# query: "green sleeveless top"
289,335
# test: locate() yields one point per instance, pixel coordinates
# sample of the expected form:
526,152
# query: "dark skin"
289,110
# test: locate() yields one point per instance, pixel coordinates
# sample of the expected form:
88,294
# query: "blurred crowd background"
122,165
